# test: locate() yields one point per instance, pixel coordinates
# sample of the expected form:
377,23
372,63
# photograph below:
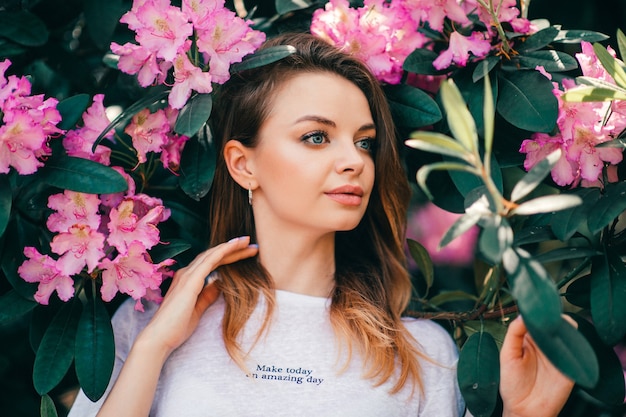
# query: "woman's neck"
299,263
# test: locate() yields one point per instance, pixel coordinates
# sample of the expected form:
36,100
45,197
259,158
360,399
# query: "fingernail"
253,245
235,239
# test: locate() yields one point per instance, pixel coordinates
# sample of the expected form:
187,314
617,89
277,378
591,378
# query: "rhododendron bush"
511,130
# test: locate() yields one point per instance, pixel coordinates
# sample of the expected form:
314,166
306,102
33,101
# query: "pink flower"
20,142
79,142
132,274
428,224
148,131
590,159
171,152
459,49
507,12
188,77
126,227
135,59
80,246
380,34
43,269
224,39
161,29
539,147
72,208
435,11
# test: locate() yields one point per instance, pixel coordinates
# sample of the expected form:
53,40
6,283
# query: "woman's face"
313,163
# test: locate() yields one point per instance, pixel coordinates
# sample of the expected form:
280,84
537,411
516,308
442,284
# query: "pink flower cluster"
27,123
199,40
106,236
581,127
383,33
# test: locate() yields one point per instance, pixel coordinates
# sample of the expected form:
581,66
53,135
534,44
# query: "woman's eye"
316,138
365,144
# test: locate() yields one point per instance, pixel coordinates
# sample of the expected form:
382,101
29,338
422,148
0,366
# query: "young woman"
301,315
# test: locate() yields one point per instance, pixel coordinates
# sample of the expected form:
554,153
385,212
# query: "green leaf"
451,296
420,61
621,43
424,263
424,172
608,292
494,328
47,407
286,6
460,226
495,238
56,351
535,176
194,115
466,183
197,167
169,249
484,67
526,101
585,93
533,234
411,107
9,268
566,222
538,40
478,373
610,64
102,18
72,109
6,201
567,349
551,61
154,98
489,115
608,207
95,349
547,204
263,57
610,387
23,27
13,306
578,292
458,116
438,143
82,175
576,36
536,294
562,254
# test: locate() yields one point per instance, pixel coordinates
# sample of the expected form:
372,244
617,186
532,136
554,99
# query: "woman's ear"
238,159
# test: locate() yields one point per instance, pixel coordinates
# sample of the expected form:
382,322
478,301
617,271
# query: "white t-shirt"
294,369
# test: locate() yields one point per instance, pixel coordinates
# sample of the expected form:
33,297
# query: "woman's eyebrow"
318,119
328,122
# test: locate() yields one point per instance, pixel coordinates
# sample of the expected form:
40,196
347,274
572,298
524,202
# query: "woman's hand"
188,297
529,384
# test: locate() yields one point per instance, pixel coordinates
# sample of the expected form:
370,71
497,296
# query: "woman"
305,320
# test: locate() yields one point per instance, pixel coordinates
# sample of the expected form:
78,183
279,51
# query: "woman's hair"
372,286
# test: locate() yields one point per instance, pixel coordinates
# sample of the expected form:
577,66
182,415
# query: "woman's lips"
348,195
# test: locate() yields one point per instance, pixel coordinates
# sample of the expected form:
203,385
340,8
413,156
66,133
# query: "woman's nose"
349,158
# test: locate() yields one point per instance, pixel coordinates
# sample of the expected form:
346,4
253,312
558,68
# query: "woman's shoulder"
432,339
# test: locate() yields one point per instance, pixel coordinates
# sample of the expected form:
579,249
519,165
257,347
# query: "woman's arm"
530,385
175,320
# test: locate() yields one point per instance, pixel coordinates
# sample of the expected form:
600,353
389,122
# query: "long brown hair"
372,286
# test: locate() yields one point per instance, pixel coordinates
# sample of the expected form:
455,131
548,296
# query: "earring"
249,195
